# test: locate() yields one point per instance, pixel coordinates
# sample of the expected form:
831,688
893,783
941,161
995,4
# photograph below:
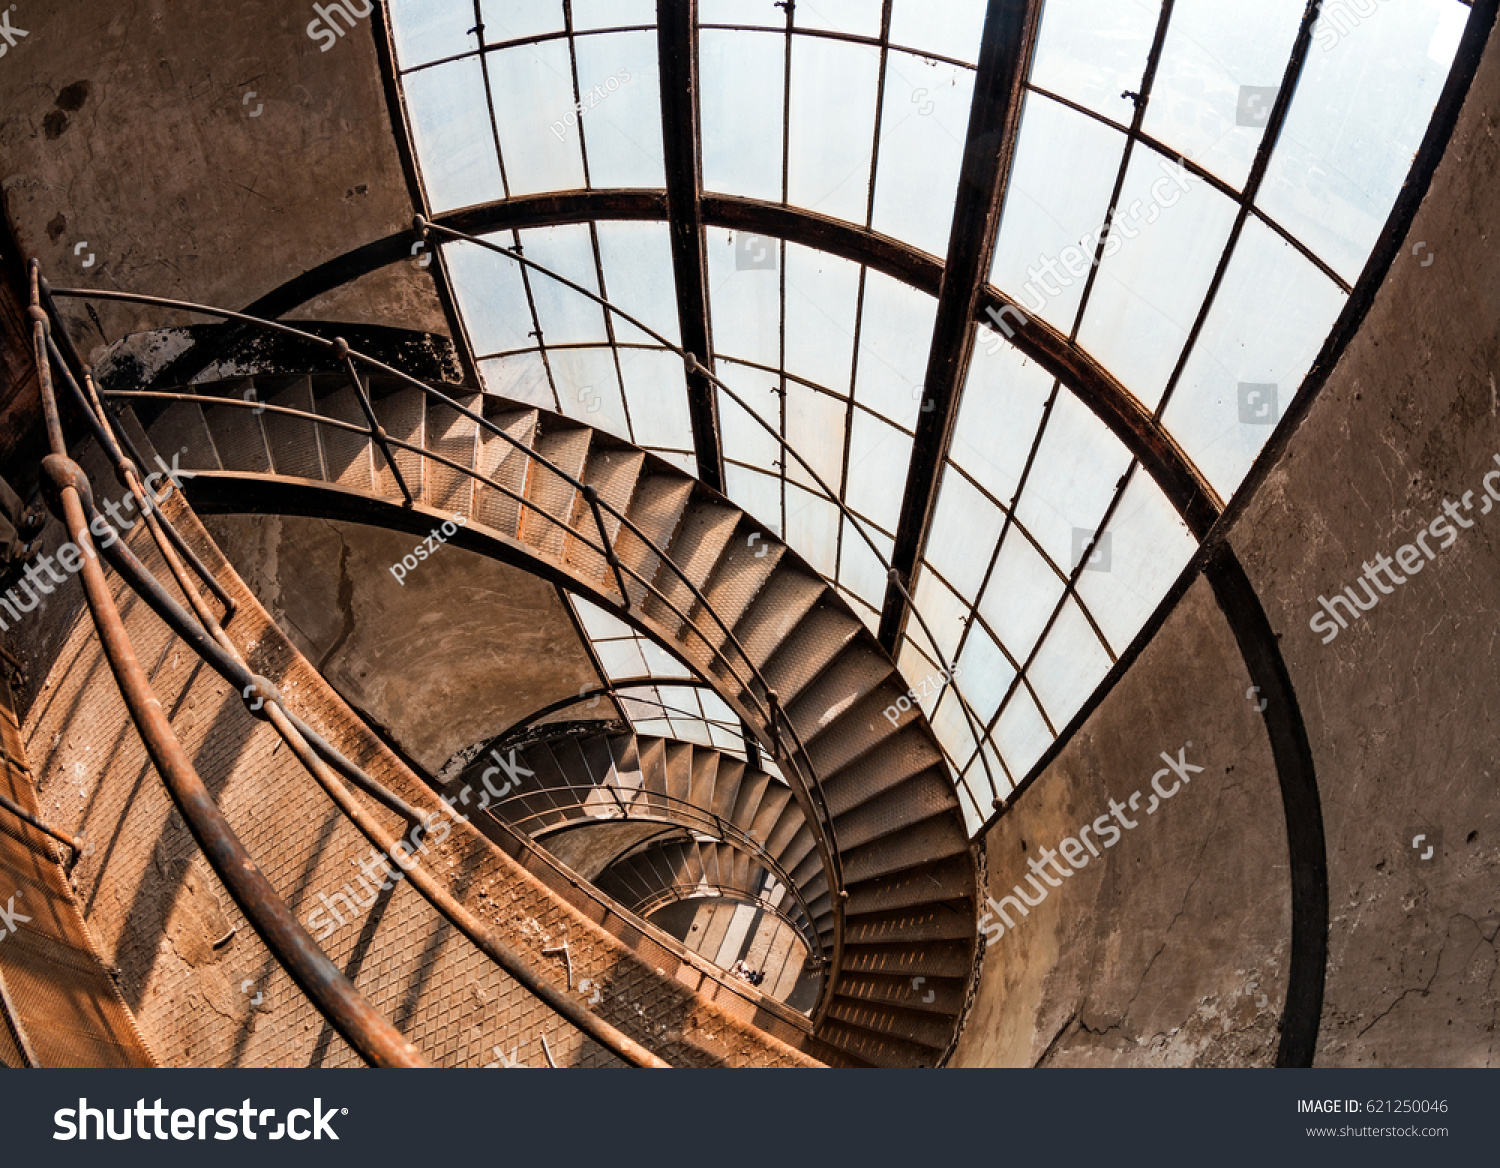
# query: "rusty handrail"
346,1009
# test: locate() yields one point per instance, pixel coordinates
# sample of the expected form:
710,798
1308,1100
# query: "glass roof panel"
588,387
753,12
521,377
1271,316
857,17
1069,665
637,261
619,90
740,84
1093,51
511,20
656,393
822,302
759,494
1359,113
1215,48
952,727
743,439
984,674
812,527
815,429
945,614
1056,203
1149,291
951,28
874,448
894,338
589,14
539,79
1021,733
491,295
745,297
831,130
566,318
860,571
1021,596
1073,478
922,130
454,143
998,418
429,30
1148,546
965,528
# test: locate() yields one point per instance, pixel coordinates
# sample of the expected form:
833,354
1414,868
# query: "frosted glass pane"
1069,666
521,378
744,439
952,27
637,262
984,674
859,569
589,389
965,529
879,457
1021,734
619,87
753,12
1020,597
1149,291
1055,207
490,295
660,663
1359,113
832,126
429,30
1148,546
922,131
758,494
857,17
822,295
656,392
1002,405
1092,51
1072,481
740,102
683,461
894,339
1272,314
598,623
812,529
451,131
945,614
510,20
815,430
566,317
745,301
1213,49
612,13
620,659
536,79
913,663
952,728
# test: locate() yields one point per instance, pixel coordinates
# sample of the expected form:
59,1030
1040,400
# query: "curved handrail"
678,893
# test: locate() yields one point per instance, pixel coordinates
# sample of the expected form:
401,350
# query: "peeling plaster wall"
450,658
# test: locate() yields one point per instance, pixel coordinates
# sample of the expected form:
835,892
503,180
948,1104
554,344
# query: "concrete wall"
129,128
443,661
1147,958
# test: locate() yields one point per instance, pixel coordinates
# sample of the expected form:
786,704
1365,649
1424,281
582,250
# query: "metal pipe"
377,431
73,841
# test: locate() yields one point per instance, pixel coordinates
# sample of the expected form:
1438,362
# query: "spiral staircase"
896,904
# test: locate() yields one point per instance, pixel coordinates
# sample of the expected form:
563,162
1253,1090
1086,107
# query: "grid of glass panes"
654,691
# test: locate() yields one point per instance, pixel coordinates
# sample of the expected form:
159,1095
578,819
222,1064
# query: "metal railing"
678,893
756,690
70,495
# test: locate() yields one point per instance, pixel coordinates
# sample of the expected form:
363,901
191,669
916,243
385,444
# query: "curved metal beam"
1130,421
